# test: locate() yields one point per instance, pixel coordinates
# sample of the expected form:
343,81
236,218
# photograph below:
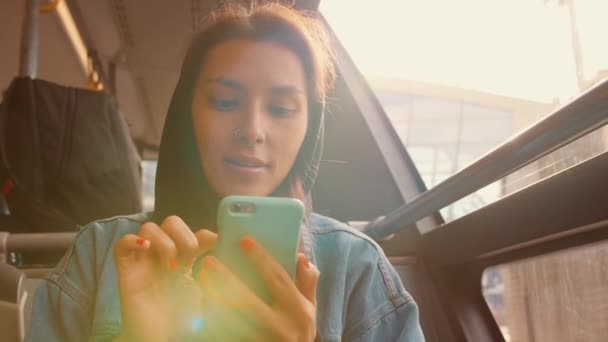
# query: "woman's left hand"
239,314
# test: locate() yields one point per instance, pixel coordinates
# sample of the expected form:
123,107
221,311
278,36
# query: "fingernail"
209,262
173,264
306,263
247,244
140,241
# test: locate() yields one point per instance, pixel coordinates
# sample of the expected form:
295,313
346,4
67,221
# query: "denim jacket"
359,295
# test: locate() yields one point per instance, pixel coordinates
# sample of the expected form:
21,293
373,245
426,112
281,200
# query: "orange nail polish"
140,241
306,263
247,244
173,264
209,262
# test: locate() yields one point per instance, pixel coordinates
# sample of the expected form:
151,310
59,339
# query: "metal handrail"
586,113
30,39
583,115
49,7
39,242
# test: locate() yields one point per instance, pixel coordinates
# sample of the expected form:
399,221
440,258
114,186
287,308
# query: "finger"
184,239
307,278
161,244
276,278
129,244
221,285
131,263
206,241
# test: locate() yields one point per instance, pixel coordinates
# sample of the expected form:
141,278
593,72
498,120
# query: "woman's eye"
224,105
280,111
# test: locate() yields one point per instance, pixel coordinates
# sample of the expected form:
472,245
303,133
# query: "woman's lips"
246,165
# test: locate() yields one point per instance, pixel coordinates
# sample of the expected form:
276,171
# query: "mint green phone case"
274,222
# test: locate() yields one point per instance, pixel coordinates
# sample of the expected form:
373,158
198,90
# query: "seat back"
25,259
13,298
67,157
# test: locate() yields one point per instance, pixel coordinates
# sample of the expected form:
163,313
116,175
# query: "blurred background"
455,78
458,78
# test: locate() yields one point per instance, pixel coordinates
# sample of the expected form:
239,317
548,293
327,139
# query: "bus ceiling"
130,49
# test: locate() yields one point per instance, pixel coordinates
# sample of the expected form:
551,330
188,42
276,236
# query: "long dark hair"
179,169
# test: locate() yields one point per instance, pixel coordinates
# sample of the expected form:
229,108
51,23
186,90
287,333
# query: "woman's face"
250,113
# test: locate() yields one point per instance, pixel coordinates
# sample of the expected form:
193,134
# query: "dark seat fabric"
67,157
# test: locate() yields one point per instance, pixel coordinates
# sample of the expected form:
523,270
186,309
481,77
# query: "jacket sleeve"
379,307
56,316
400,324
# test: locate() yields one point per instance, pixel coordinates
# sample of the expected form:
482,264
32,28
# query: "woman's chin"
245,191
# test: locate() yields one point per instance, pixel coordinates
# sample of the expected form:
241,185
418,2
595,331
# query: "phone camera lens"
236,208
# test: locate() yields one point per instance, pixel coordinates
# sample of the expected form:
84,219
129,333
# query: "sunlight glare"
517,48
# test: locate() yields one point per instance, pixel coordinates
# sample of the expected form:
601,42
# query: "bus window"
148,177
457,79
554,297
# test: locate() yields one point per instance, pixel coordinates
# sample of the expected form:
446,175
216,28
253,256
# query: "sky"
516,48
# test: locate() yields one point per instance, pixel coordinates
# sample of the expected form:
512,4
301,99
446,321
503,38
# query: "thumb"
307,277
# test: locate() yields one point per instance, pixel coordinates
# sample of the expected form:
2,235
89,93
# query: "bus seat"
20,276
87,169
13,298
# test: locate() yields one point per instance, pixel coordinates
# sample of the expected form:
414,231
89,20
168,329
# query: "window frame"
454,256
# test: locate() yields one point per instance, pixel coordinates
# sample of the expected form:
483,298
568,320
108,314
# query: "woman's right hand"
149,265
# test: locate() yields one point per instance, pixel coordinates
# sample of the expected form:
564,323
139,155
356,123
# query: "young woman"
246,118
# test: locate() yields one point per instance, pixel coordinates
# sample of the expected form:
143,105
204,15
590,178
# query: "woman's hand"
150,265
235,313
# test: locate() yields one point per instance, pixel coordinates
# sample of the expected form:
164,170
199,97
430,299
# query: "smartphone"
274,222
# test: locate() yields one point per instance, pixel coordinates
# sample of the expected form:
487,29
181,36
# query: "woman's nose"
251,130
